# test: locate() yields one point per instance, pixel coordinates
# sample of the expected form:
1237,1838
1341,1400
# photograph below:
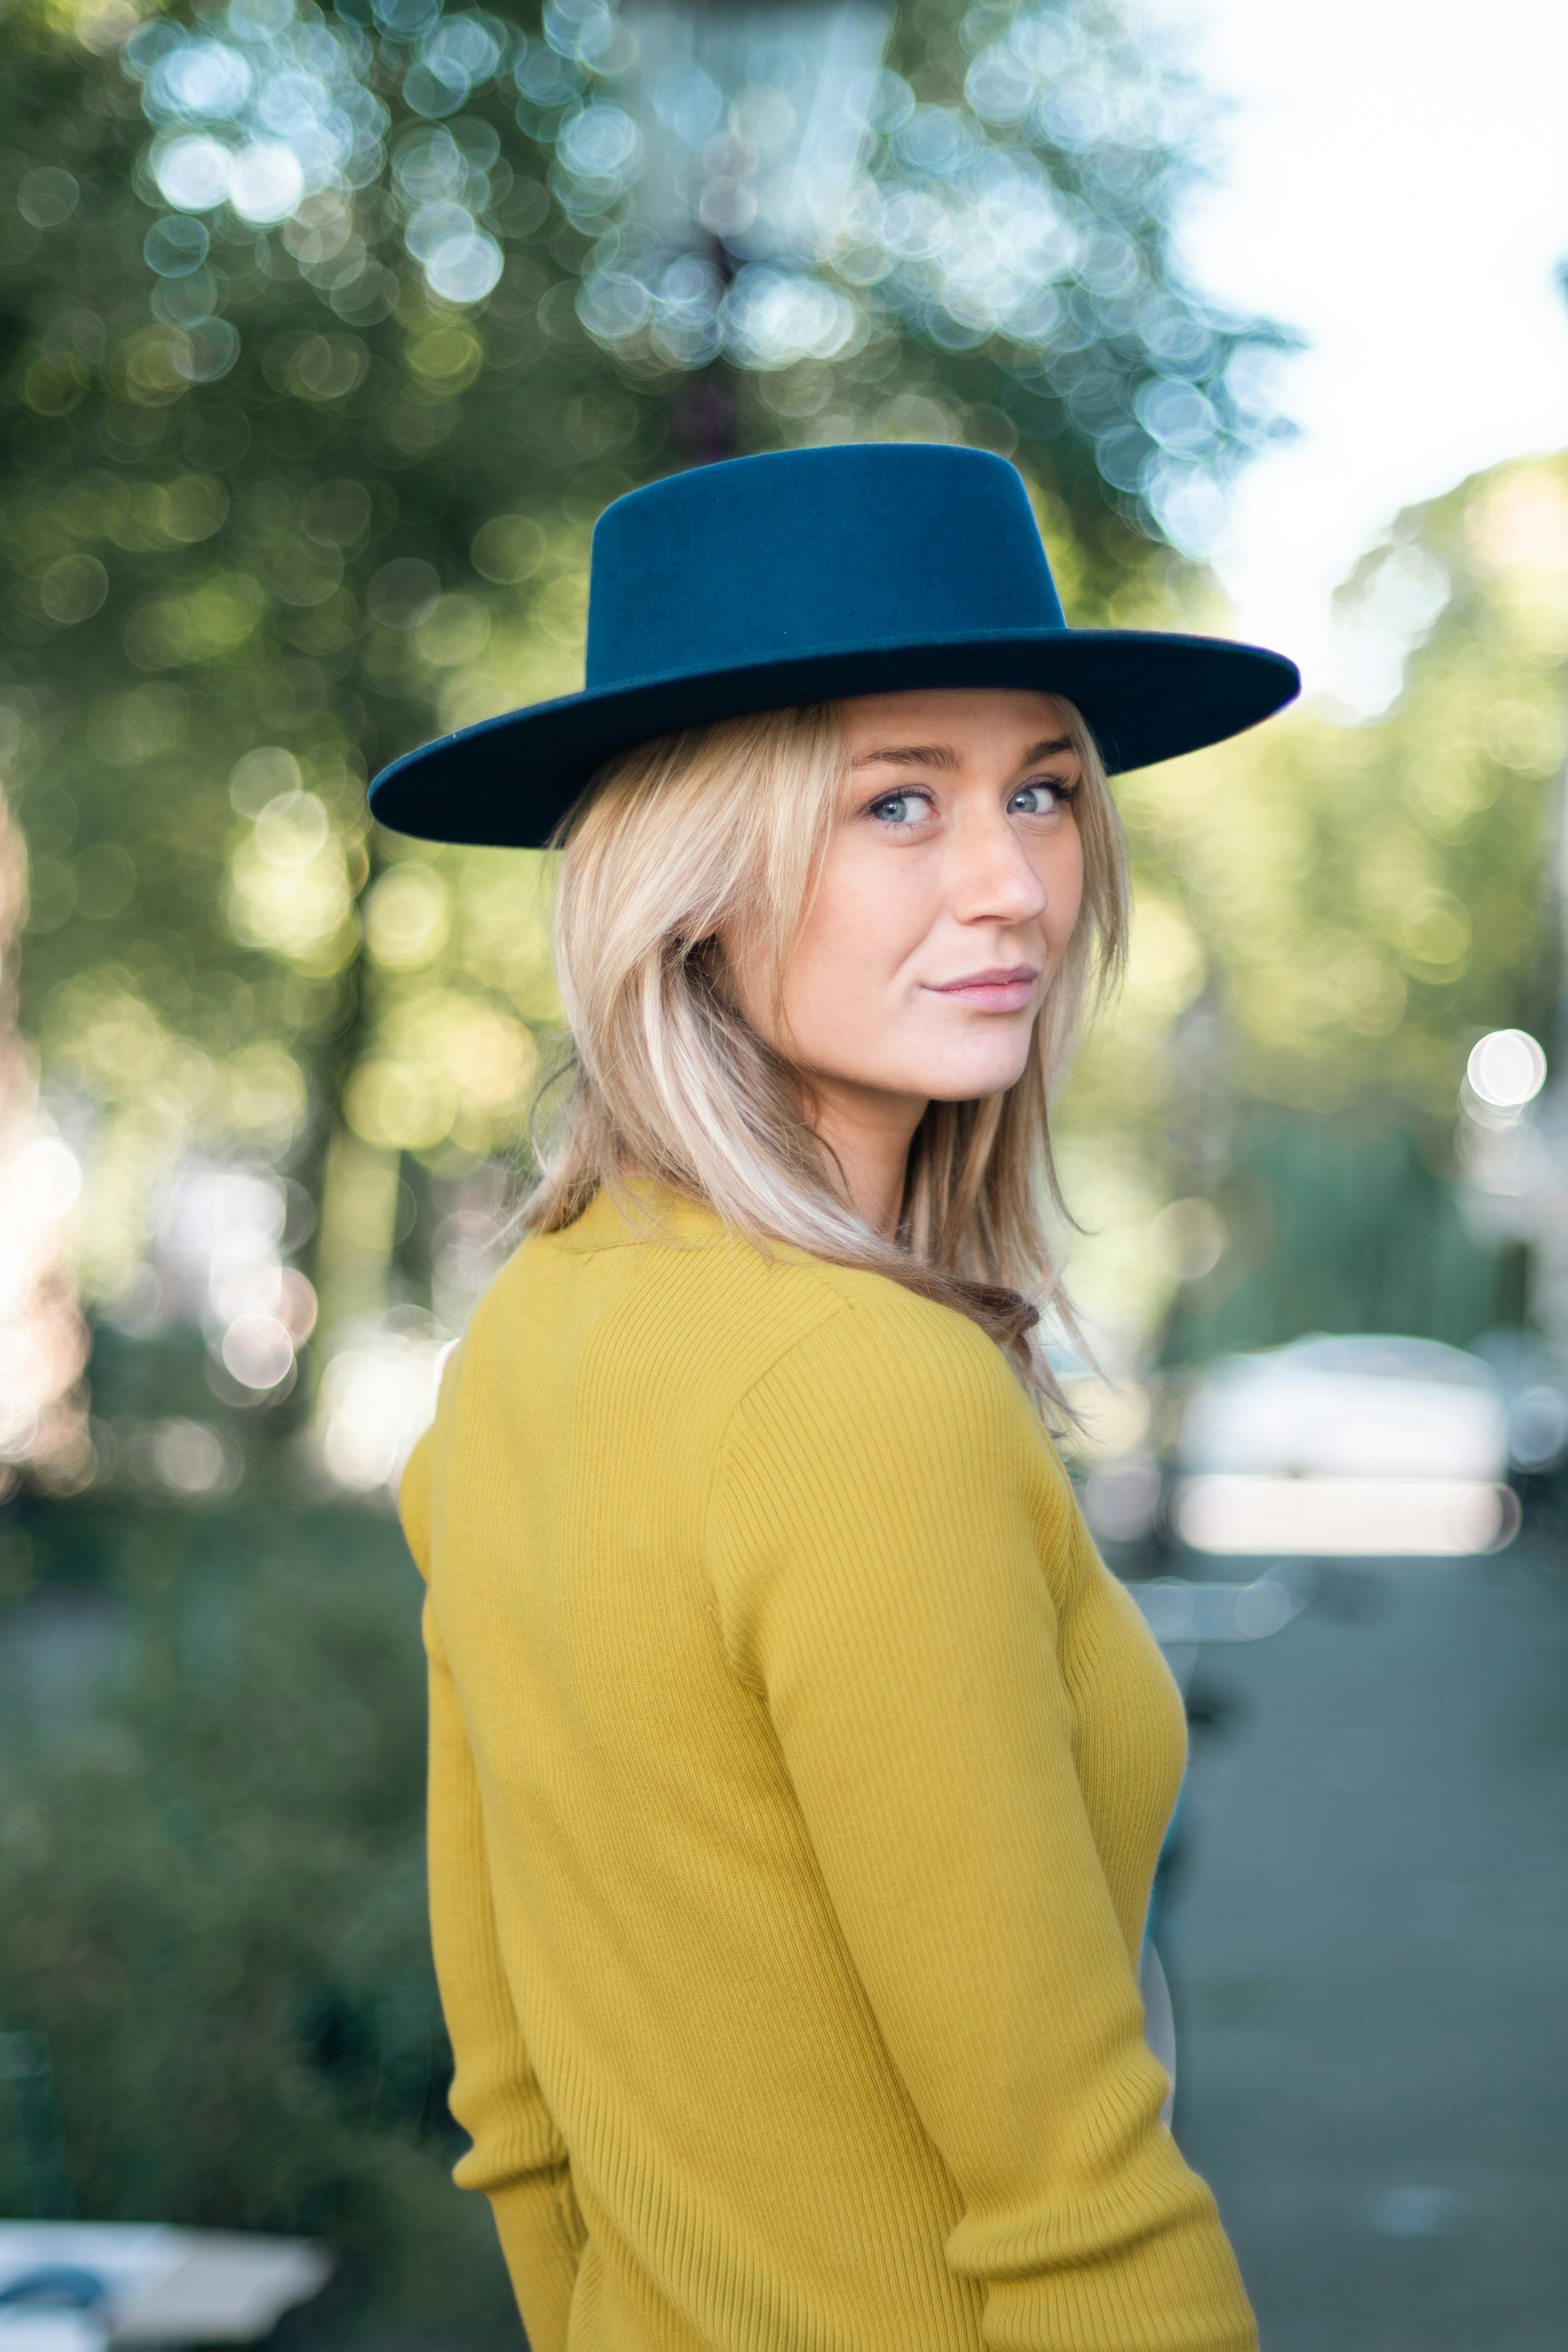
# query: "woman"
797,1771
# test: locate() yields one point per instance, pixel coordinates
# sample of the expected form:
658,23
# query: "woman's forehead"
963,721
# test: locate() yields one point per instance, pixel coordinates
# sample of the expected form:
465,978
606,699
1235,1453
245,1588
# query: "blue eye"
1038,800
899,808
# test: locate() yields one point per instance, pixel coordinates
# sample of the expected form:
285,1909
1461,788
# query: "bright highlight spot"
465,267
377,1401
45,1177
193,173
1507,1069
266,181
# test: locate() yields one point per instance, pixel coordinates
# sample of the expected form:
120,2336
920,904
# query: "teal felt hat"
803,577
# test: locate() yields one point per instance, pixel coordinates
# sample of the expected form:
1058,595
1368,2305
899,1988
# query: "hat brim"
1148,695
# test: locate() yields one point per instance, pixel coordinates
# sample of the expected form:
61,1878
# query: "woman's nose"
994,880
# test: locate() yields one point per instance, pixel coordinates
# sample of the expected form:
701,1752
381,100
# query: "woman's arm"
880,1539
517,2157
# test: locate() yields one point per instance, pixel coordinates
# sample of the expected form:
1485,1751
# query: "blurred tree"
328,336
1332,1224
1332,914
41,1337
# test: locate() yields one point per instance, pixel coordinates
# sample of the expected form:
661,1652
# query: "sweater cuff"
542,2236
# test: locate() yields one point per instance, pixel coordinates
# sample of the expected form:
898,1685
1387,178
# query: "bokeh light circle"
45,1179
176,245
192,172
258,1351
266,181
1506,1069
464,268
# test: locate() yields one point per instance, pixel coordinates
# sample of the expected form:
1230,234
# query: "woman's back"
798,1775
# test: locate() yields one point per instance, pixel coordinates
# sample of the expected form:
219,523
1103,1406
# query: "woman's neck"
868,1135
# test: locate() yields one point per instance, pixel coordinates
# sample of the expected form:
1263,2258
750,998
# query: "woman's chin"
970,1077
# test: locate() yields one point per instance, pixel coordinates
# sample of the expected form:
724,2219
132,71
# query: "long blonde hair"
725,826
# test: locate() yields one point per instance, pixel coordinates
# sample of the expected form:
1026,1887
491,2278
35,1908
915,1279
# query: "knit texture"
797,1774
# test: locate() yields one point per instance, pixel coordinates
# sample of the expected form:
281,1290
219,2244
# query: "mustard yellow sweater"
797,1778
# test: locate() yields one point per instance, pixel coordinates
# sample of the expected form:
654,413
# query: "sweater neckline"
638,1211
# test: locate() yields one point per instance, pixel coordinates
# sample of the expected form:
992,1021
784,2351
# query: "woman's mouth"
991,992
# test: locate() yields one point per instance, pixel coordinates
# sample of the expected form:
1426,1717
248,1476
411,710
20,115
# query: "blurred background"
327,334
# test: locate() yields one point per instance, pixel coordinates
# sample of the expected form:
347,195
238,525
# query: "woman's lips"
992,992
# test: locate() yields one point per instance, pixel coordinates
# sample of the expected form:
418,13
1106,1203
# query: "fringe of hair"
663,1075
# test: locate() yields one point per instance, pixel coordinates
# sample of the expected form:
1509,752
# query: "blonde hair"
723,827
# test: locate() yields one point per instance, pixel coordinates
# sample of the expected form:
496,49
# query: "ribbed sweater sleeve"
895,1607
517,2157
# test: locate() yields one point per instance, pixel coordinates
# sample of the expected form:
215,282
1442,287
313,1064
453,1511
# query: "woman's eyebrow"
919,755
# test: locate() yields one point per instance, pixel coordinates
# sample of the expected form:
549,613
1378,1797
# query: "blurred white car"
1357,1445
82,2286
1349,1408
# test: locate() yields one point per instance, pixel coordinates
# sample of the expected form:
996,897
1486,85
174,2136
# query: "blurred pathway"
1373,1961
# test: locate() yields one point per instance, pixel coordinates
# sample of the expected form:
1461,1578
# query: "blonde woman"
797,1771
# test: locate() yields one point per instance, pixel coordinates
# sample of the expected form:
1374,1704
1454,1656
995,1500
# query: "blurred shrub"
211,1873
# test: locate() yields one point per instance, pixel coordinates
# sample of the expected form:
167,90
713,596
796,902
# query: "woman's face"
950,887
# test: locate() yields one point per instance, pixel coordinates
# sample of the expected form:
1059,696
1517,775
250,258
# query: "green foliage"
212,1878
281,507
278,509
1373,895
1335,1225
282,500
1329,915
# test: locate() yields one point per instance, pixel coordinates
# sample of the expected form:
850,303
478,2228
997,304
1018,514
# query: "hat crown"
759,559
811,576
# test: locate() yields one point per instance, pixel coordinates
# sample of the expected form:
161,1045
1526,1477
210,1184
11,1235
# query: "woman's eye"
1037,799
899,808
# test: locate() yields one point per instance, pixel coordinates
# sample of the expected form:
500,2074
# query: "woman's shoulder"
877,1310
763,1317
883,1399
863,1355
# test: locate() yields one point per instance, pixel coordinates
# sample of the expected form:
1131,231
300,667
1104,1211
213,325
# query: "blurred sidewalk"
1372,1950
